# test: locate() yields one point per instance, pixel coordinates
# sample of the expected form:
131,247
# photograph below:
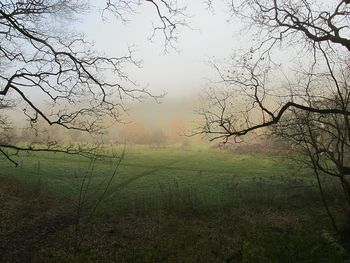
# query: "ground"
166,205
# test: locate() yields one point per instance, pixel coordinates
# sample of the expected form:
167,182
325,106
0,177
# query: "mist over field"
151,131
164,122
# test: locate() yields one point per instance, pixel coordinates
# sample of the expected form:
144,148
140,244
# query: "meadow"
170,204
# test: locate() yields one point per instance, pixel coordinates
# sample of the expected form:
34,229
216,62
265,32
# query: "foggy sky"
181,72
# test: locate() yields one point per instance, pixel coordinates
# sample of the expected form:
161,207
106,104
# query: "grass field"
166,205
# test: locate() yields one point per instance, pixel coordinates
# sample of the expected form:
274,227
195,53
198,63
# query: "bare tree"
82,88
304,99
252,98
324,138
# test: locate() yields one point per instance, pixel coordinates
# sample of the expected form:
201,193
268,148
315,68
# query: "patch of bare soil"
29,219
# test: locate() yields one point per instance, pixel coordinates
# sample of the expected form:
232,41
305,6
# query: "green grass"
199,168
195,205
152,174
